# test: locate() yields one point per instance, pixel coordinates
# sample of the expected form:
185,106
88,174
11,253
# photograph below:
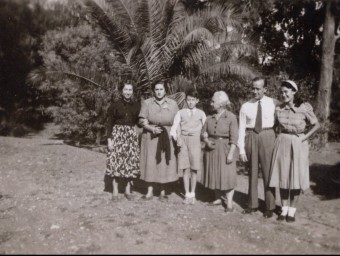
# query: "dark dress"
224,132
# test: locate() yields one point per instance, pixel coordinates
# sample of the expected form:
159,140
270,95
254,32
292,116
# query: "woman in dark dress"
122,162
220,133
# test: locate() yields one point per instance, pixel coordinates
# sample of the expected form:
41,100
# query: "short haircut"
222,97
192,92
153,86
258,78
123,83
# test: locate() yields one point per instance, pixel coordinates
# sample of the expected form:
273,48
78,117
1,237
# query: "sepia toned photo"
169,127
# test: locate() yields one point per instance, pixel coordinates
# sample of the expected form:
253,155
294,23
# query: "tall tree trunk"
326,72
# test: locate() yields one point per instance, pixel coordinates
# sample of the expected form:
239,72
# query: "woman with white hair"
290,167
220,133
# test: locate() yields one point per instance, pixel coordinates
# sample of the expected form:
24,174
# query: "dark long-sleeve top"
122,112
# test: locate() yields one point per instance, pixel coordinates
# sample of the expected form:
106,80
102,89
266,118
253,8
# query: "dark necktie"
258,122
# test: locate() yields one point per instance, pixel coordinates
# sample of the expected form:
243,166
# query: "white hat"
292,83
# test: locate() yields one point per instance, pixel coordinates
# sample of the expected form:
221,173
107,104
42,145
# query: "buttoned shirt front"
247,117
224,126
294,119
158,114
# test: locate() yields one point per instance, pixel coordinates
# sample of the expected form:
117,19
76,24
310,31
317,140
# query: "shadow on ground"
325,180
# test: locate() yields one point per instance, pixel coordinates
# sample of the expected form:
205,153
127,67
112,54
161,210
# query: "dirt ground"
52,202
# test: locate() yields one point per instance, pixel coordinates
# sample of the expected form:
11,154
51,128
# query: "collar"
166,99
287,107
224,113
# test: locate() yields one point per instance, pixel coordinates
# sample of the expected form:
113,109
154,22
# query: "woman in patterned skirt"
220,133
122,162
290,166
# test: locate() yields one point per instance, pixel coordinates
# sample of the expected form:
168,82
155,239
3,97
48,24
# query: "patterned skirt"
123,160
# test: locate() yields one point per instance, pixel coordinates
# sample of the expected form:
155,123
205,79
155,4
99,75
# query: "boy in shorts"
186,130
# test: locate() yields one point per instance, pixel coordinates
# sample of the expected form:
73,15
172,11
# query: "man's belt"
263,129
218,137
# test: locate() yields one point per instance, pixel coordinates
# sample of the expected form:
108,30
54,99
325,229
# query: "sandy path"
52,202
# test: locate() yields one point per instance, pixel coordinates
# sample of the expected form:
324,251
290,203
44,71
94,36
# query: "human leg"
294,198
149,194
284,194
186,182
193,185
266,147
229,196
251,147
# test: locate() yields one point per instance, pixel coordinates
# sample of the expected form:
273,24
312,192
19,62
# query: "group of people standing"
271,137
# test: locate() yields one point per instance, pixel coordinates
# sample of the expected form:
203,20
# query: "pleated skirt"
217,174
290,165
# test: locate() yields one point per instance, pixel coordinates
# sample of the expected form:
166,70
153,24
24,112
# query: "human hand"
210,144
110,145
302,138
157,130
229,158
243,158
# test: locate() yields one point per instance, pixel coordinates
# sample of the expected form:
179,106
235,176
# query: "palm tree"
159,40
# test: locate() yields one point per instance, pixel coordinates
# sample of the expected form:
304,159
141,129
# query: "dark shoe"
228,210
249,210
215,203
164,198
281,218
115,198
129,197
268,214
290,219
146,198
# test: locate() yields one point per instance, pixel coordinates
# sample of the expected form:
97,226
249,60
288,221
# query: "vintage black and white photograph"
170,127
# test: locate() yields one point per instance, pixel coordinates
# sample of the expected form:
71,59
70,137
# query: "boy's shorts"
189,155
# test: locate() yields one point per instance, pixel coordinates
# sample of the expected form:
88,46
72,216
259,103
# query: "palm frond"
86,76
116,33
232,67
179,97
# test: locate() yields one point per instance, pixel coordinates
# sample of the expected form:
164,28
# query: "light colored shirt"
189,122
158,114
247,118
294,120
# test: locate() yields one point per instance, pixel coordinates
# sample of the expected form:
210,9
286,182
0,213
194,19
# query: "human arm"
205,137
144,122
310,116
175,126
242,134
233,132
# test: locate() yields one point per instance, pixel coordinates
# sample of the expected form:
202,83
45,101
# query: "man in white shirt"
256,143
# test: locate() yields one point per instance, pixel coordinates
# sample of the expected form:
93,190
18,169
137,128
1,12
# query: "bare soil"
52,202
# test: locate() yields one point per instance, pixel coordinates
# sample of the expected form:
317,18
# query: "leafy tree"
331,34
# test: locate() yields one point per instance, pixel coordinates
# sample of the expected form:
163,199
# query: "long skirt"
217,173
123,160
290,166
150,170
